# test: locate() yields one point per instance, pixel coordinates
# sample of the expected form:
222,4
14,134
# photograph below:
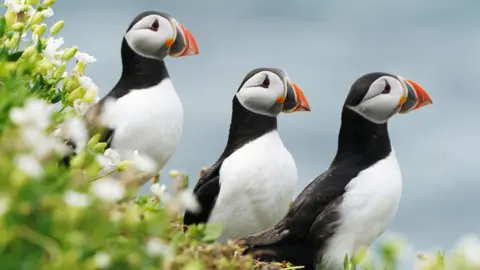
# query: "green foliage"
81,218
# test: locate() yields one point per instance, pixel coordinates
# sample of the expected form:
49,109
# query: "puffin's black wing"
309,222
206,191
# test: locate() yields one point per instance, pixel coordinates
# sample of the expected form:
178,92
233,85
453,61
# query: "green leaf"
3,53
41,7
39,46
346,263
212,232
195,265
185,181
14,56
57,97
38,84
3,26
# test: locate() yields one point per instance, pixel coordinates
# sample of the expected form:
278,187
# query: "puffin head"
378,96
269,91
155,35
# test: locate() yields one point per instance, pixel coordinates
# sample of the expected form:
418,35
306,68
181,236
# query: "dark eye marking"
155,25
387,88
266,82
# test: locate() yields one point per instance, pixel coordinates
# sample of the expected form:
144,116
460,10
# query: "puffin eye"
387,88
155,25
266,82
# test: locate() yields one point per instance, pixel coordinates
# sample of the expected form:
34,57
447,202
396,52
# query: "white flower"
189,201
108,189
19,6
30,10
58,132
158,189
186,200
157,247
47,12
469,248
91,89
33,119
110,157
85,58
16,5
144,163
41,143
80,107
76,199
29,165
24,36
113,156
102,260
4,204
35,113
34,38
51,50
77,132
91,95
86,82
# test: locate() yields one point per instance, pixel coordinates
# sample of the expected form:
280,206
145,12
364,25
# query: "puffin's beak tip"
417,97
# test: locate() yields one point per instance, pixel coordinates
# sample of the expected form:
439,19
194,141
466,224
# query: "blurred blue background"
324,46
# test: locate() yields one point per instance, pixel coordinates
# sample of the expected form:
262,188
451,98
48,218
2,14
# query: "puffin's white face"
155,36
269,93
378,96
382,100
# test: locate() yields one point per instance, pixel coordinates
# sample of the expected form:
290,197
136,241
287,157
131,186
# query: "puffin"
144,112
250,186
353,201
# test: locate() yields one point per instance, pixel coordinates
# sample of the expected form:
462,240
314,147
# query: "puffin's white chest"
256,186
150,121
369,204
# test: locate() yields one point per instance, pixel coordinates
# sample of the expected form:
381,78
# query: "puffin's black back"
245,126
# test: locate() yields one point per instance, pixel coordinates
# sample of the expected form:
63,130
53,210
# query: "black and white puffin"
146,114
251,185
351,203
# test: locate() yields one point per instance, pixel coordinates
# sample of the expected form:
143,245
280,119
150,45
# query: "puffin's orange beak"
184,44
295,100
415,98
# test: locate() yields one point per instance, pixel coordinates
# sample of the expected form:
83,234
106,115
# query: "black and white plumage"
250,186
145,113
351,203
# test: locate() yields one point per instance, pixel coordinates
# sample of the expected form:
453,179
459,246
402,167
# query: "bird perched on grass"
351,203
250,186
144,112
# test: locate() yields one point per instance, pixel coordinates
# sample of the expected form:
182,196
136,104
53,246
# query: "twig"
103,175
